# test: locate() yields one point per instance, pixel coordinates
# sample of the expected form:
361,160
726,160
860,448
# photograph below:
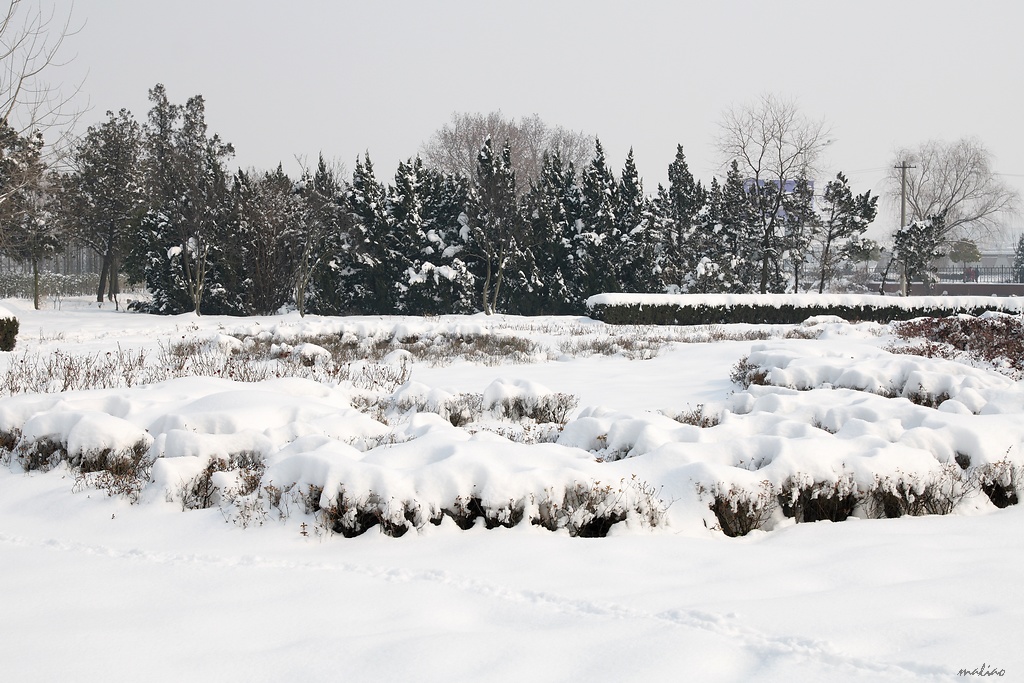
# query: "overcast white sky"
293,78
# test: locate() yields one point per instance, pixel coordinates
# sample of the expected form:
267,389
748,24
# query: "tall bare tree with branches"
455,146
954,180
772,142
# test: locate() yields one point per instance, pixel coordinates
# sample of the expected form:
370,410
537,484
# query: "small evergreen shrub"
8,333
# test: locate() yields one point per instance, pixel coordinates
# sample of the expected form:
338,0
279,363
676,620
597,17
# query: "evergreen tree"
597,236
685,246
917,245
181,244
1018,259
553,207
428,211
634,254
270,215
845,217
740,233
102,196
709,249
801,225
326,240
376,262
496,226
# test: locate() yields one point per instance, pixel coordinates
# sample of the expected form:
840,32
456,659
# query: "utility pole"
904,280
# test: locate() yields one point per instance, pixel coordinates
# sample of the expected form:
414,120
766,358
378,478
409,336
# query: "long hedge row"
783,309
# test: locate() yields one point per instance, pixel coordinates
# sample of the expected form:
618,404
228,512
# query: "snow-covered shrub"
9,439
521,399
464,511
635,346
923,397
806,500
1001,481
739,510
8,333
352,517
997,339
780,309
590,509
698,417
206,489
458,409
121,473
40,454
744,373
802,332
911,493
587,510
309,498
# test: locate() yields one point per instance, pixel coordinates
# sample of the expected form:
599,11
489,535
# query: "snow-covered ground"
213,574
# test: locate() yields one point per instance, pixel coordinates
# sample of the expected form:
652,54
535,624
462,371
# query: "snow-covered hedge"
785,309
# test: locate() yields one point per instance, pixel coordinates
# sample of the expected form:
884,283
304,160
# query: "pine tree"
801,225
845,217
375,263
427,208
634,256
598,231
553,207
181,244
1018,260
326,238
740,233
917,246
686,245
270,215
496,226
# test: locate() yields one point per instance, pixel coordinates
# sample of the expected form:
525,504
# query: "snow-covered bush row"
948,385
994,338
770,453
371,354
695,309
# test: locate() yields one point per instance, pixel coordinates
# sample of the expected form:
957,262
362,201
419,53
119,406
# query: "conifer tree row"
156,201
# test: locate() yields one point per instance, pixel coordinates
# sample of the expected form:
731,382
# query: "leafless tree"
31,107
455,146
772,141
31,45
954,180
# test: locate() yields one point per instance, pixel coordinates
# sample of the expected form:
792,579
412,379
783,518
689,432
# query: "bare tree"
31,40
954,180
773,143
455,146
31,43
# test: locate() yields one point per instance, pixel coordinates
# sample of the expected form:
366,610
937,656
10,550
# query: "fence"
987,274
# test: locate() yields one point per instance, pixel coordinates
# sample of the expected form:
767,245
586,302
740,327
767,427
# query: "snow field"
98,588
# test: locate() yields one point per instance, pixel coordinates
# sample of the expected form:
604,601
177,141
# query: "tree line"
157,202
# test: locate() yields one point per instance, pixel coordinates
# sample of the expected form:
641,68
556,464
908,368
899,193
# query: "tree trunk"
104,271
35,283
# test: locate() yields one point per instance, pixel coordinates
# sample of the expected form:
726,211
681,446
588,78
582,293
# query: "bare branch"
455,146
955,180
